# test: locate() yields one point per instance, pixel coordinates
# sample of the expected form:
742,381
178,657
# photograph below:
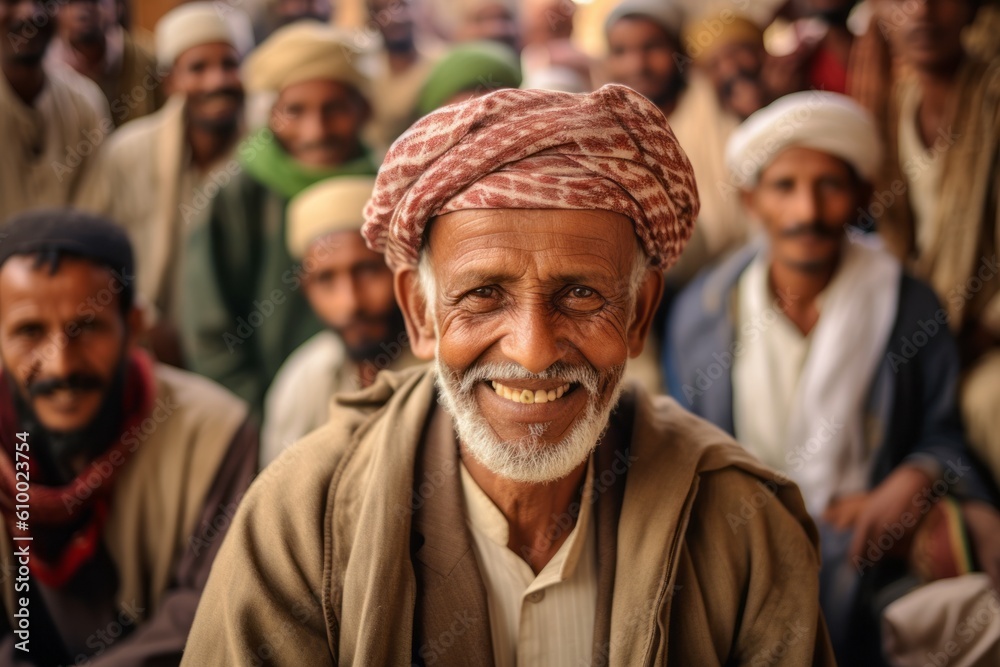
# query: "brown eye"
483,292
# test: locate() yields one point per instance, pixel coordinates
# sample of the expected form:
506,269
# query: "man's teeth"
527,396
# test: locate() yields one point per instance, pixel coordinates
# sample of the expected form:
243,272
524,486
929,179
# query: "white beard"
528,459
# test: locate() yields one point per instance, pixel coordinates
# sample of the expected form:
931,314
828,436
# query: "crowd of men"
713,324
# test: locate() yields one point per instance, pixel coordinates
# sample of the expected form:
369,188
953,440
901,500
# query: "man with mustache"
515,503
349,287
647,52
52,120
118,476
833,366
942,128
162,171
244,307
91,40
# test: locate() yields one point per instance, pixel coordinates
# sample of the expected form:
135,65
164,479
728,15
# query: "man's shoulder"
83,94
196,399
398,401
671,436
684,448
141,134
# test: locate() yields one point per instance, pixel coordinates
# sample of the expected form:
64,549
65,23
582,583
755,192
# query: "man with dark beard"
52,120
244,307
825,360
118,476
173,161
91,40
515,503
349,287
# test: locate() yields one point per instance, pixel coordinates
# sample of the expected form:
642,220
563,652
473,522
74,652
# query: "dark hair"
50,235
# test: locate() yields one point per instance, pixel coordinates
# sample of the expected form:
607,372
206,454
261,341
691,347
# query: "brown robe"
352,548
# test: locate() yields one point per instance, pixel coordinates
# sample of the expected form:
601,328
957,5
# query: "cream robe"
159,196
49,148
298,400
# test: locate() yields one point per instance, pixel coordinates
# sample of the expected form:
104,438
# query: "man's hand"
843,512
886,506
983,523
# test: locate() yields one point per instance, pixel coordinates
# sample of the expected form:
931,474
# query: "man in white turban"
162,171
516,503
823,358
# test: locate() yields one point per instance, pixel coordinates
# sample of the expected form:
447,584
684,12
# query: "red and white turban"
610,150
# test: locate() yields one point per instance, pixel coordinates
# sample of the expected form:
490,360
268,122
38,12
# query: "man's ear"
646,303
419,319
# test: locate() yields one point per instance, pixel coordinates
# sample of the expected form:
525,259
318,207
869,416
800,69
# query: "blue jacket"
913,397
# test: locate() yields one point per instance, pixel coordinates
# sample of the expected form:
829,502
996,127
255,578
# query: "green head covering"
485,66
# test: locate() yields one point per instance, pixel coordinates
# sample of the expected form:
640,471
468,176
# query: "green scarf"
279,171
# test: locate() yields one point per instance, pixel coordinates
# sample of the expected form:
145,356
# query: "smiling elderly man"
513,504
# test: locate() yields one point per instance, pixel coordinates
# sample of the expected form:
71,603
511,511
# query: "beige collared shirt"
546,619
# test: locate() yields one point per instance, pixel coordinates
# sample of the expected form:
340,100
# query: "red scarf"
89,492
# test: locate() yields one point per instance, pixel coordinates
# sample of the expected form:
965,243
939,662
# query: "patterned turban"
610,150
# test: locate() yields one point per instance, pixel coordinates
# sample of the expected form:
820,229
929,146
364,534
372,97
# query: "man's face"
641,55
350,288
491,22
86,21
26,27
926,34
319,122
209,76
290,11
394,19
804,200
59,344
534,319
735,71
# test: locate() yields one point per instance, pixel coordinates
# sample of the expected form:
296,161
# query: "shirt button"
537,596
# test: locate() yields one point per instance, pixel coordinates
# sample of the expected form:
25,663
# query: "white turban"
668,14
824,121
333,205
188,26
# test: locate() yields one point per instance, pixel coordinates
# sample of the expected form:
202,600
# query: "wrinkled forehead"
546,241
28,287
